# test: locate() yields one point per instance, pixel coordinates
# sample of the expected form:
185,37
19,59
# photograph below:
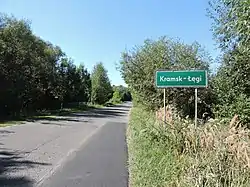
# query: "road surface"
82,149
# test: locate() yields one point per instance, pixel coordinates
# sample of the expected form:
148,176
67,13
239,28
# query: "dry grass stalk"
224,150
234,122
169,114
222,154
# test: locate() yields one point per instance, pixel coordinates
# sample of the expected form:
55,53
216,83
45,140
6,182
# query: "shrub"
240,106
138,70
214,154
117,98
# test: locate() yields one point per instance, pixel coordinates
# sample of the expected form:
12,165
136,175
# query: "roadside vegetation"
38,79
217,152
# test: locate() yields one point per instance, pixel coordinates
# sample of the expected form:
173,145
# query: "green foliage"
232,84
138,70
182,155
124,92
101,87
240,105
35,74
231,22
117,98
151,161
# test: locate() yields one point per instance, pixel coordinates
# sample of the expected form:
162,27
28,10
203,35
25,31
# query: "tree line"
229,88
37,75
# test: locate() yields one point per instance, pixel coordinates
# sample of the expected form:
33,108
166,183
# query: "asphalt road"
100,163
83,149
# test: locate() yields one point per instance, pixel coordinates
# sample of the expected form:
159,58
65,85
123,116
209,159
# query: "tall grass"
213,155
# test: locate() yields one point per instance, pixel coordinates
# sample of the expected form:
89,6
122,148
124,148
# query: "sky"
91,31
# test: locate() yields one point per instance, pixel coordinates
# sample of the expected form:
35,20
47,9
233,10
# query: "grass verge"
151,163
10,123
214,154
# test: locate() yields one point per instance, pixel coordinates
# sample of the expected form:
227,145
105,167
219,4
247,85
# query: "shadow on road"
101,113
14,161
115,109
72,117
2,131
106,112
69,116
56,118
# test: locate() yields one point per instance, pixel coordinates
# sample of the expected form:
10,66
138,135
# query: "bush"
215,154
138,70
232,83
232,96
117,98
239,106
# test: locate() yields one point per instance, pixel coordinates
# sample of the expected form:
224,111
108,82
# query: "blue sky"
90,31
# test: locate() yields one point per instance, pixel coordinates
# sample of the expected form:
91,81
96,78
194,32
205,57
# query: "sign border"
180,86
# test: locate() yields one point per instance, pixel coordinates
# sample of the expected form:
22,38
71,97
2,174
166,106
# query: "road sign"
191,78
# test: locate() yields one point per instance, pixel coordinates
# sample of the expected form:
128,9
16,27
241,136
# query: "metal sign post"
196,106
164,100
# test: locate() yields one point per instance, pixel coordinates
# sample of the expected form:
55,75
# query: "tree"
138,70
20,65
101,90
35,74
117,97
123,91
231,29
231,22
85,84
231,84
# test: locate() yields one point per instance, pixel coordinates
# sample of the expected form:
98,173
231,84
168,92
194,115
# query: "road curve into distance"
82,149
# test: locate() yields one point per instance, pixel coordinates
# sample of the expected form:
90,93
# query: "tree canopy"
232,82
138,70
101,86
36,74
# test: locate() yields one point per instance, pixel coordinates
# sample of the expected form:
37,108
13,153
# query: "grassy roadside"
10,123
214,154
47,115
151,163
